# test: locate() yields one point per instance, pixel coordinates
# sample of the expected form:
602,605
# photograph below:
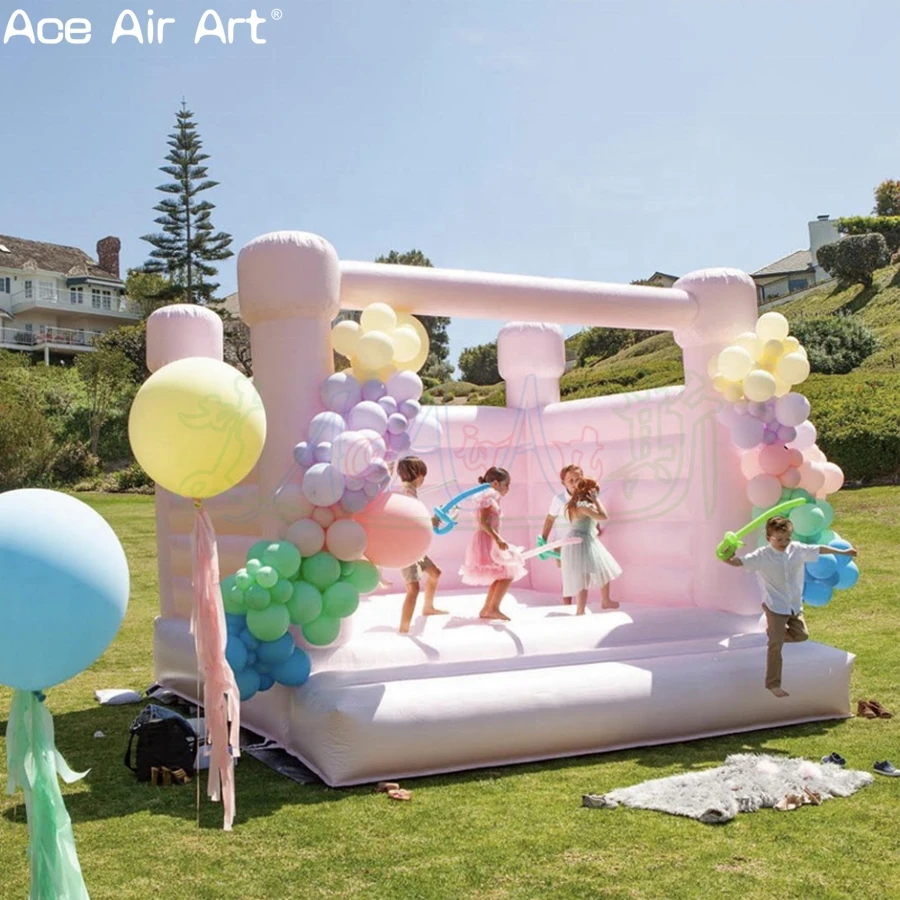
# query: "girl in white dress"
588,564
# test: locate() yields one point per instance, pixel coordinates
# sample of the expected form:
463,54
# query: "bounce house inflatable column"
289,284
726,306
531,358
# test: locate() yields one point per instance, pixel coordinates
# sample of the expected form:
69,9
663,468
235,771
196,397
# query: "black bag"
164,739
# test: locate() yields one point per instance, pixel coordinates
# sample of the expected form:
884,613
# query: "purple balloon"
409,408
340,392
786,433
325,426
354,501
399,442
770,438
368,415
756,409
372,490
323,452
397,424
747,432
388,404
304,454
740,407
353,484
378,472
323,484
792,409
373,390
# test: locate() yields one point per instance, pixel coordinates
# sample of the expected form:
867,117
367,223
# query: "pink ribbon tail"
221,698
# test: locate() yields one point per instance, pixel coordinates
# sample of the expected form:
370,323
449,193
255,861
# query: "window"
29,327
107,299
95,298
29,290
797,284
4,285
76,295
47,291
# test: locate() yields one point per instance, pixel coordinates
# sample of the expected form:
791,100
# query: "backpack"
164,739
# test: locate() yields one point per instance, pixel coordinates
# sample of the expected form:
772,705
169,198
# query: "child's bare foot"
567,601
403,629
580,612
500,615
434,612
609,604
779,692
485,614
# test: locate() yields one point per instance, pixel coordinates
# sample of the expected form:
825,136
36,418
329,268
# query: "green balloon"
257,597
305,603
808,519
284,558
364,577
321,631
253,566
267,577
243,579
347,569
340,600
827,536
258,550
827,511
268,624
232,597
321,570
282,591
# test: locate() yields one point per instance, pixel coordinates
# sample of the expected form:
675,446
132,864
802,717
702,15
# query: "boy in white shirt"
779,567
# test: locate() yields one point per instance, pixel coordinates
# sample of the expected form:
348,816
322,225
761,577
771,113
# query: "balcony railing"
54,337
54,298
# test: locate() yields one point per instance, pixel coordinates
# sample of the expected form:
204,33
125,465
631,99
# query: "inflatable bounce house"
319,521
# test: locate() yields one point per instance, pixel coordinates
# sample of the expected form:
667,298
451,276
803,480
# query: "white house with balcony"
57,300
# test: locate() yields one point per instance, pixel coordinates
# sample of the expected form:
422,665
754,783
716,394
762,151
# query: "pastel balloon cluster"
760,364
382,343
279,587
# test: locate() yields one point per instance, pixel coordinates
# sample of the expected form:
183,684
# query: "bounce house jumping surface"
682,658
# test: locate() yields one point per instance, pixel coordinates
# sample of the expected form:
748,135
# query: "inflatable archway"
682,658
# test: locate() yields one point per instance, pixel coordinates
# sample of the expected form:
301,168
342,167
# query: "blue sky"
599,140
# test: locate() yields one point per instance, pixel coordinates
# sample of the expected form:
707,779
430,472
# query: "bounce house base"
460,693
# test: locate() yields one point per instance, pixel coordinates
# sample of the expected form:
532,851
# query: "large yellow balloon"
406,343
735,362
772,326
750,342
374,350
417,361
793,368
378,317
759,385
345,337
197,427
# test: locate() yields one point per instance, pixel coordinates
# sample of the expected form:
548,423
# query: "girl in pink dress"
489,560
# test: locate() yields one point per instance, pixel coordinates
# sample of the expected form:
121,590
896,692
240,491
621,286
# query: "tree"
887,199
130,340
237,344
835,344
479,364
106,375
186,247
601,343
143,290
855,258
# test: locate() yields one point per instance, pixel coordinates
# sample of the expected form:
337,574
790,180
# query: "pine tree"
185,248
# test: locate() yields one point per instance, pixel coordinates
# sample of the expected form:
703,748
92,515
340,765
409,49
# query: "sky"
599,139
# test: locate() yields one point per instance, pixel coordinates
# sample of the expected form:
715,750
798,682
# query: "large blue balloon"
842,561
64,588
848,576
824,567
816,594
295,671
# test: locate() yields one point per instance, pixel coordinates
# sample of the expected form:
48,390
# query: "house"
798,270
57,300
661,279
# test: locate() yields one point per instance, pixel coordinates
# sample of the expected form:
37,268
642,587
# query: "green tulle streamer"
35,766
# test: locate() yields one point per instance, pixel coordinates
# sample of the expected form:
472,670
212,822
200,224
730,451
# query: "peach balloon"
812,478
750,464
345,539
795,459
790,478
764,491
323,515
398,530
774,459
308,536
834,477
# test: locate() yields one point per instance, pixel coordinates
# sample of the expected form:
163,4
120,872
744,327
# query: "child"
412,472
779,566
569,476
588,564
487,561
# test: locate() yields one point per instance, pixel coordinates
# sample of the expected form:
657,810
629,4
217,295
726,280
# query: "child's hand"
501,544
852,551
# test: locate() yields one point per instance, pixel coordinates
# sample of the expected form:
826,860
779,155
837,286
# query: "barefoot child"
569,476
412,472
588,564
779,567
487,560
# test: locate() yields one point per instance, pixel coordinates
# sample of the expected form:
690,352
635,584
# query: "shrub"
835,344
854,259
130,480
73,462
596,344
887,226
479,364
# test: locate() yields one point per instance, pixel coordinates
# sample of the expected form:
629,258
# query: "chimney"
822,231
108,254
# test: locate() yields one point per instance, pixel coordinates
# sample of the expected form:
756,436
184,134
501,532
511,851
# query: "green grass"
515,832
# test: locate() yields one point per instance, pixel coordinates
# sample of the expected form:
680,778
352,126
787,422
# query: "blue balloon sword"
442,513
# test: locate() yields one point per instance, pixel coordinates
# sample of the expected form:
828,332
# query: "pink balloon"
834,477
398,530
764,490
307,535
792,409
747,432
790,478
323,515
795,459
806,436
816,455
292,503
773,460
750,463
812,478
345,539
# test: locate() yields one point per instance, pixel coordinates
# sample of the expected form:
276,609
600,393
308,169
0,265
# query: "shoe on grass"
886,768
835,759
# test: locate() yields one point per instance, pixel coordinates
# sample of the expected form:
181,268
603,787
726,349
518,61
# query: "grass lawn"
516,832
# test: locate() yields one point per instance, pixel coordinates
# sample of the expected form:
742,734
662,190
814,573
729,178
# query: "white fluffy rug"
745,783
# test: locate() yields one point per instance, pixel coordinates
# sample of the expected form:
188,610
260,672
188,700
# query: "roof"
50,258
231,304
798,261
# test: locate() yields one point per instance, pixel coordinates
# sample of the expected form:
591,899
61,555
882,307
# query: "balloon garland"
769,423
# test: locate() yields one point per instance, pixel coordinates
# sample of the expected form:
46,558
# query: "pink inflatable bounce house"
684,655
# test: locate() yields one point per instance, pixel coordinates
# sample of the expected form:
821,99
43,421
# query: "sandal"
399,794
865,711
789,802
385,786
879,710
